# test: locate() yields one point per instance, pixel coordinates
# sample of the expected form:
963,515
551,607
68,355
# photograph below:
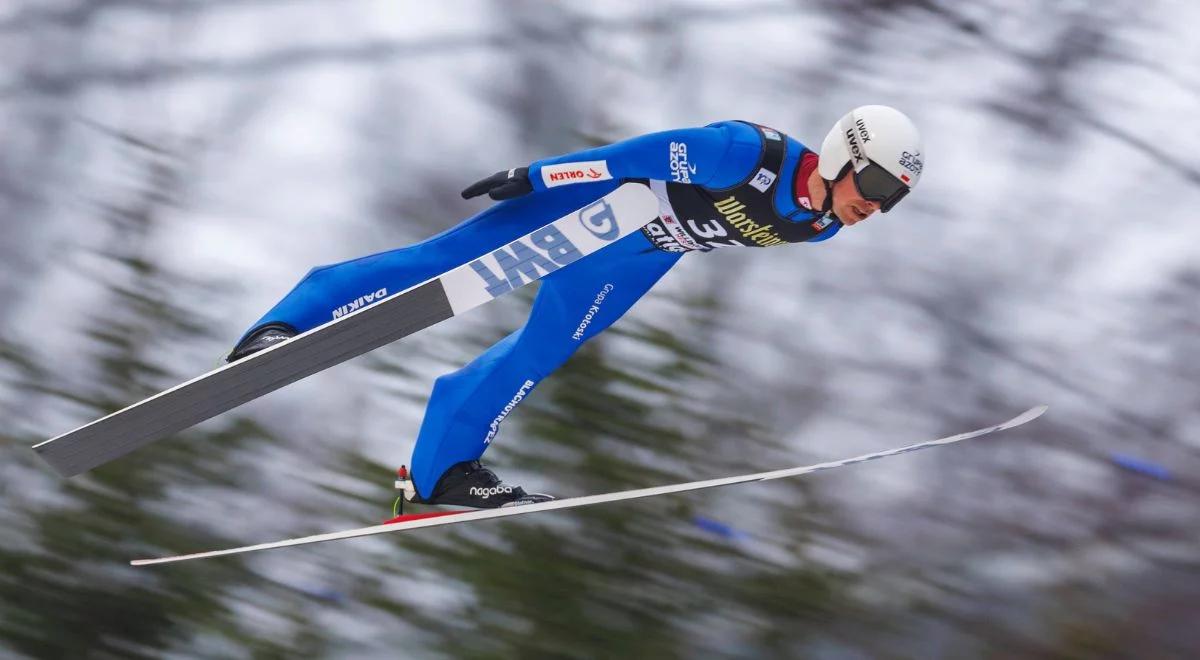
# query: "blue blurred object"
719,528
1141,466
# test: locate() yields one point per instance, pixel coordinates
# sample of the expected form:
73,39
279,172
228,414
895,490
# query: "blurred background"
169,168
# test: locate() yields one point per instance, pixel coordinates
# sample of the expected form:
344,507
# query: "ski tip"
1030,415
1025,417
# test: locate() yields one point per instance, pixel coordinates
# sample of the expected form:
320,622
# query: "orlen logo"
572,175
568,173
361,301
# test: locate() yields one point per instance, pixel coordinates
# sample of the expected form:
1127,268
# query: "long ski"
436,519
542,251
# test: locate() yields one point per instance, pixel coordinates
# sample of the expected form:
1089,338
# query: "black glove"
502,185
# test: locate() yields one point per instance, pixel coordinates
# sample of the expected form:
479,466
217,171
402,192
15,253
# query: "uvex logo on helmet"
853,135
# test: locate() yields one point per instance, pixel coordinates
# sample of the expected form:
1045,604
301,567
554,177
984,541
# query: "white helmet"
876,135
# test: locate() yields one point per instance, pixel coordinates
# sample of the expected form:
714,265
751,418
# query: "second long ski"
439,518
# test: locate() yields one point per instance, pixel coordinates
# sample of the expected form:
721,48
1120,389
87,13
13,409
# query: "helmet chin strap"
827,205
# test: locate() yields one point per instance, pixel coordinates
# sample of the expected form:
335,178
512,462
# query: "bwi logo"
546,249
542,252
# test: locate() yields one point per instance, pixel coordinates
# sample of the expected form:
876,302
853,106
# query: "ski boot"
466,484
264,337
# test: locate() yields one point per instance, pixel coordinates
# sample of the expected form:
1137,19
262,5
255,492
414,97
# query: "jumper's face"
848,203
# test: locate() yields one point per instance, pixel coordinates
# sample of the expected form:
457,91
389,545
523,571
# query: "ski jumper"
727,184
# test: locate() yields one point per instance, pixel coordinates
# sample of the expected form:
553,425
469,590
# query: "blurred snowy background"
169,168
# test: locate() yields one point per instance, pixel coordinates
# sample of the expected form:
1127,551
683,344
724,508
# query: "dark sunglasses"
879,185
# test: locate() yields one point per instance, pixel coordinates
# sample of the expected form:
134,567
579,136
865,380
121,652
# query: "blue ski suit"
693,171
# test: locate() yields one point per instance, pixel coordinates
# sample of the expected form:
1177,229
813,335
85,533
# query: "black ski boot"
471,484
264,337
